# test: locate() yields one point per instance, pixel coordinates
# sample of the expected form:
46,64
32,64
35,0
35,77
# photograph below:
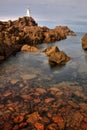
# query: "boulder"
29,48
56,56
51,50
84,42
59,58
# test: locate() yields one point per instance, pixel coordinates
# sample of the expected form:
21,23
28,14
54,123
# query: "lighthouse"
28,12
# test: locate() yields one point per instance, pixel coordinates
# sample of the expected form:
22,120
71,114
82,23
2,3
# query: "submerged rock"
43,108
60,121
33,118
39,126
28,76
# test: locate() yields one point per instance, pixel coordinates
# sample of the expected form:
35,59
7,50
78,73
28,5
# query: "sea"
35,67
37,95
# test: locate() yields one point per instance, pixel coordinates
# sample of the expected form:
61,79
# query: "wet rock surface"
57,107
29,48
84,42
15,34
56,56
64,30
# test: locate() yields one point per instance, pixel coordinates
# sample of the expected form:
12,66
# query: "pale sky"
51,13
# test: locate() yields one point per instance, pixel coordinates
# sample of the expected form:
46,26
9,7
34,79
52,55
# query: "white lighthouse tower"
28,12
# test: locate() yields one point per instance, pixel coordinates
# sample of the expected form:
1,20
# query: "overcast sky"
51,13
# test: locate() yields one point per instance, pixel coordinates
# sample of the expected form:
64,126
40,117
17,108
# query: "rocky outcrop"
64,30
29,48
33,35
14,34
53,35
84,42
56,56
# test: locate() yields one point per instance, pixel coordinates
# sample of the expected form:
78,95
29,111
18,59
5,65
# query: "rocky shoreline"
28,103
15,34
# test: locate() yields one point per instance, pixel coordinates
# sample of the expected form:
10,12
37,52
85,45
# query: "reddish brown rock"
49,115
41,90
49,100
36,101
7,94
60,121
85,119
84,126
1,106
77,118
83,106
79,94
59,94
33,118
52,126
11,109
18,119
45,119
39,126
7,116
73,104
14,81
7,126
26,97
16,127
66,111
85,98
52,109
23,125
55,89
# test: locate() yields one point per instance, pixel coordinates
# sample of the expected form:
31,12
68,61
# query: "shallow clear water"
35,67
32,90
